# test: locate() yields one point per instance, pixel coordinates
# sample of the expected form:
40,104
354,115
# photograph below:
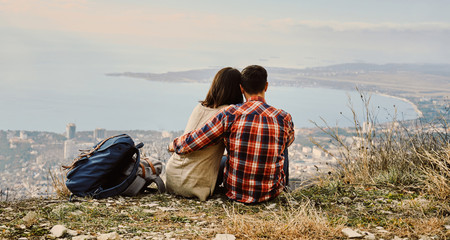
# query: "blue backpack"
113,167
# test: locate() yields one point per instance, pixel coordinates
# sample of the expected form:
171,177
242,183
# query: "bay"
46,99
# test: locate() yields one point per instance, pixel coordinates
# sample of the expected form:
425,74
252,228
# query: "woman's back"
195,174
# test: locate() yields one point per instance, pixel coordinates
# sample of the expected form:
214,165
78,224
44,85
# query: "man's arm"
200,138
290,130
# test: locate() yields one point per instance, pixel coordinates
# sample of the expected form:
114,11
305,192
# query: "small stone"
72,232
350,233
382,230
166,209
58,230
123,212
77,213
148,211
168,235
44,224
447,227
30,219
57,210
9,209
386,212
109,236
202,223
423,237
82,237
368,235
22,238
224,237
399,238
271,206
150,205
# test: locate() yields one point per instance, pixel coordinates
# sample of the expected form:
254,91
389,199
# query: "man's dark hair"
254,79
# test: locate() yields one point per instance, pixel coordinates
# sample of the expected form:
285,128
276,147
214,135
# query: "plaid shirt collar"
256,98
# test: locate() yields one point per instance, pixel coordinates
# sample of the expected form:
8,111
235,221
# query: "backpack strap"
160,184
151,166
118,189
155,176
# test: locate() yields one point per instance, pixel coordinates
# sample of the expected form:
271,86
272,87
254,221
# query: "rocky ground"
332,211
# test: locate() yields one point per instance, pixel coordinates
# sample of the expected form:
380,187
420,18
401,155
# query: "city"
29,159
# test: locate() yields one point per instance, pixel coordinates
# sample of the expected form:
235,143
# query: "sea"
48,97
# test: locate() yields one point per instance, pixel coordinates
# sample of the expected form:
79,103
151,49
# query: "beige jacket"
195,174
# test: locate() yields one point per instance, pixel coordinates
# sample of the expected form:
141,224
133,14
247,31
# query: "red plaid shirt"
255,135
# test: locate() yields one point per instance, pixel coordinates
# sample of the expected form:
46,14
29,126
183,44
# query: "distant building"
70,130
306,149
72,148
166,134
99,134
316,152
14,142
23,135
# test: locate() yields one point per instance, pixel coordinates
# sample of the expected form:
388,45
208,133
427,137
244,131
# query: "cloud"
340,26
218,34
152,22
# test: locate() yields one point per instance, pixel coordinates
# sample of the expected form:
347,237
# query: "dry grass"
410,155
59,184
296,221
420,227
436,171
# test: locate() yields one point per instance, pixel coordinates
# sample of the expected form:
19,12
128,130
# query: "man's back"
256,138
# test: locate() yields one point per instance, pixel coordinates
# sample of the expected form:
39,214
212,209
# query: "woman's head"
224,89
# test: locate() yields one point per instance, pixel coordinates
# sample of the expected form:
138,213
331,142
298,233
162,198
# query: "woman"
195,174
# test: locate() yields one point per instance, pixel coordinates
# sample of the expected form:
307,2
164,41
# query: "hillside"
326,212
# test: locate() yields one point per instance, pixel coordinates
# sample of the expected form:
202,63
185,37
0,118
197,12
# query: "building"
99,134
70,130
23,135
72,148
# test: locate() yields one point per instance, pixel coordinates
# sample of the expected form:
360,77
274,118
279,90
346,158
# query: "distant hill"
406,80
434,69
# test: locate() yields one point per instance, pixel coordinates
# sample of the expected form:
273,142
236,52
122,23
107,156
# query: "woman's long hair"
224,89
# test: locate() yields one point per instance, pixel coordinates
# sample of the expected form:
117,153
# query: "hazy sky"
54,53
163,36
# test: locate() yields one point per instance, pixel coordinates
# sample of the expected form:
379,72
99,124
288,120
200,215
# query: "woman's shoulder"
201,108
217,108
200,115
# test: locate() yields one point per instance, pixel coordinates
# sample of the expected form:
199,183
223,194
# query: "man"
256,136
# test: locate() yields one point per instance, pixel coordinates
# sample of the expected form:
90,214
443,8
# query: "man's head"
254,79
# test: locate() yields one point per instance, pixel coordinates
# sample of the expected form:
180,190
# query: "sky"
160,36
54,53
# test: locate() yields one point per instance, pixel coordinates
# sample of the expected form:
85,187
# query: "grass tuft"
287,221
59,184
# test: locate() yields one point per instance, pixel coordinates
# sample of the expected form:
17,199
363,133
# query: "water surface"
46,99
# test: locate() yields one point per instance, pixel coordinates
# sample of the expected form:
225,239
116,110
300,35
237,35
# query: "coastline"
416,109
